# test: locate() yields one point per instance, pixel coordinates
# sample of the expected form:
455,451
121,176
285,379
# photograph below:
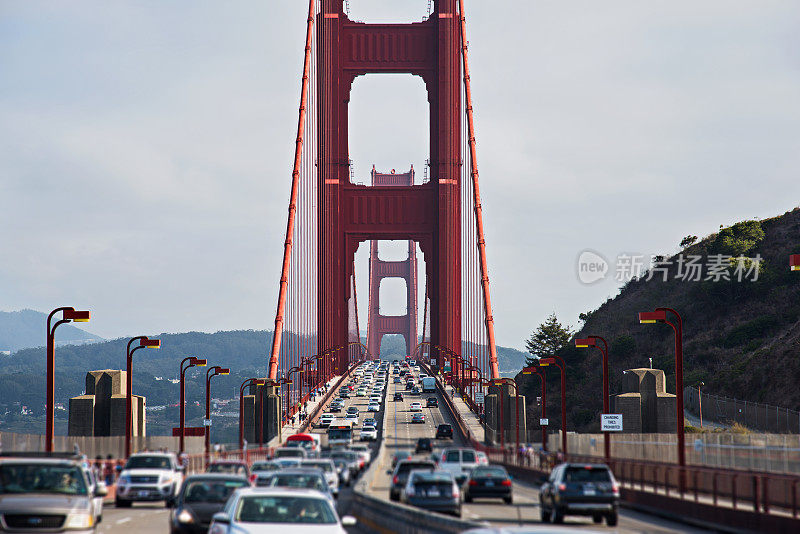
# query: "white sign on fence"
479,397
611,422
206,422
544,421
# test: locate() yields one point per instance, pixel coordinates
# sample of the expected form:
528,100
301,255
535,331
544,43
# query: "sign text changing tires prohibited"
544,421
611,422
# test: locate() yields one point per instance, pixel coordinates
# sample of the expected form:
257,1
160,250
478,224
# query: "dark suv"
432,402
580,489
401,472
424,445
444,431
398,396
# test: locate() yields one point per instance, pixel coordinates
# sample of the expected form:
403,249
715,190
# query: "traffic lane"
136,519
525,510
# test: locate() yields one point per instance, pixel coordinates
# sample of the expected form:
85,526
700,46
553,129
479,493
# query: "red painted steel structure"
330,215
379,325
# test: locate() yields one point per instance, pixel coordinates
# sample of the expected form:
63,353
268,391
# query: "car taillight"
506,482
395,480
456,493
615,488
253,478
562,487
473,482
410,491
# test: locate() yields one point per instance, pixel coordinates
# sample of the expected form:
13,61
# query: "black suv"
580,489
424,445
444,431
398,396
433,402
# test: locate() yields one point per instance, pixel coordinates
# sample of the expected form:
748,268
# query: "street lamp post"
248,382
294,369
217,370
68,314
660,316
558,362
700,402
193,362
144,343
591,341
500,382
540,371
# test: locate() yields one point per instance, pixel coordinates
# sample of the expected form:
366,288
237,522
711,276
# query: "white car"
369,433
326,419
416,407
328,468
374,407
364,451
375,398
352,417
262,510
458,461
148,476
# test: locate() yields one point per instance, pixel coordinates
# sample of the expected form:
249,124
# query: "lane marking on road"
123,520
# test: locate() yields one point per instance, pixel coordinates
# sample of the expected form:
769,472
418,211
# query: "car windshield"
265,466
235,469
325,466
298,481
42,478
285,509
148,462
586,474
489,472
289,453
216,491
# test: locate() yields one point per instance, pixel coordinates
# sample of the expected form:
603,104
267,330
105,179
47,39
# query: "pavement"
398,432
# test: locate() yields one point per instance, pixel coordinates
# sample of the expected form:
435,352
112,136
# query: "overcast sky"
146,147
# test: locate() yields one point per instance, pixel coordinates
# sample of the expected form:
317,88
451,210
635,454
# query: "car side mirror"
101,490
349,521
221,518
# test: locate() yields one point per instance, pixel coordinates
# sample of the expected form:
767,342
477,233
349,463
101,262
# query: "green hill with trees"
740,315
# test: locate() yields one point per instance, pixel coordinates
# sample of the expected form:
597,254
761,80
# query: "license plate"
589,491
433,493
489,483
144,493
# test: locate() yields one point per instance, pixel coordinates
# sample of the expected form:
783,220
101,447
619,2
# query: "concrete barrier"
382,516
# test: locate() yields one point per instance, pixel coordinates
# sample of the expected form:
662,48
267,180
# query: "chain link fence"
753,415
779,453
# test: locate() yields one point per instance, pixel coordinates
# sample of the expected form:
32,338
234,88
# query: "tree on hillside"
548,338
688,241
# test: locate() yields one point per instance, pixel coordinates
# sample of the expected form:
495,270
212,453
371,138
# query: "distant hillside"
27,328
740,338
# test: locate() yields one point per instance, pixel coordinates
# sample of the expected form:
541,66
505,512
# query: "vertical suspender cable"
487,303
287,247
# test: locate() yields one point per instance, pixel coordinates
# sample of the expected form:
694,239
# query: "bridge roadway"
395,433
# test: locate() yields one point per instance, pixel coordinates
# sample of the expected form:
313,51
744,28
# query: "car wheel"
467,498
544,514
611,519
558,516
119,503
597,518
508,500
394,497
